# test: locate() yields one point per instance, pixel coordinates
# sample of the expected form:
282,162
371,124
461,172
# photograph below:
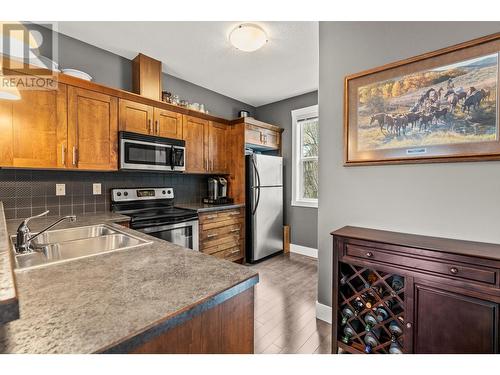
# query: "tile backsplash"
30,192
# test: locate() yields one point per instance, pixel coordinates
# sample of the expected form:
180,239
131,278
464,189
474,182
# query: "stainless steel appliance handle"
256,187
172,158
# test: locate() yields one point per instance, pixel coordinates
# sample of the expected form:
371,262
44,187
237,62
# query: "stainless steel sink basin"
69,244
71,234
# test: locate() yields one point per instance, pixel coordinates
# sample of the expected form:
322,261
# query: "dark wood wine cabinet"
437,295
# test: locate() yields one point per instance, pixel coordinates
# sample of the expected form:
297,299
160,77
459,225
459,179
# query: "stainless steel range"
152,211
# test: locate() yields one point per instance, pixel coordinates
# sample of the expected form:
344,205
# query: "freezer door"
267,223
270,169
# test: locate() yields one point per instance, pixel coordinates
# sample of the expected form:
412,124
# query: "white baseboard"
323,312
304,250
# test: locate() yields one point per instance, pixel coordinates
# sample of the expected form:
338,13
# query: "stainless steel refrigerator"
264,206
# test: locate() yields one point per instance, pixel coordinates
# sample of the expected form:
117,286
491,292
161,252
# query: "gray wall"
116,71
457,200
303,221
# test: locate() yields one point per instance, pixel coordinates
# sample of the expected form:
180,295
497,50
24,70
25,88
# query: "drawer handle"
454,270
369,254
211,235
211,216
234,230
408,325
234,213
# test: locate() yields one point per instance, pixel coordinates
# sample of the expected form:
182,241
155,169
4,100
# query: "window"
305,138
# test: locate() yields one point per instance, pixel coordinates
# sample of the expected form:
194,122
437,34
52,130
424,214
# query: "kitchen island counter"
119,301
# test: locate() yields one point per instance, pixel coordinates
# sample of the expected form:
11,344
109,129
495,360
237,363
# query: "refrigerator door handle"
256,187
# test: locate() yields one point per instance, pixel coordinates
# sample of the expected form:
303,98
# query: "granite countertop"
9,308
114,301
202,207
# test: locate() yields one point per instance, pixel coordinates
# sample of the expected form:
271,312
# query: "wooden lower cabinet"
92,130
222,234
227,328
33,130
442,296
449,322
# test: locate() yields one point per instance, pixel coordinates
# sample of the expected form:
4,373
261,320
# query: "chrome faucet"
24,237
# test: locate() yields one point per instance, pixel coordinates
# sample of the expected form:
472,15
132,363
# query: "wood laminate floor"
285,307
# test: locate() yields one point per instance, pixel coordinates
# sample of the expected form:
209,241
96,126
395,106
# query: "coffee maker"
217,191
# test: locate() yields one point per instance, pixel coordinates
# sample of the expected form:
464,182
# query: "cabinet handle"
408,325
63,155
454,270
211,235
74,155
211,217
369,254
157,127
150,126
235,230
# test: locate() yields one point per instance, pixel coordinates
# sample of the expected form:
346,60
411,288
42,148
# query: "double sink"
62,245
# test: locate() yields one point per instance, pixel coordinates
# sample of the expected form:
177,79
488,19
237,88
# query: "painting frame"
438,153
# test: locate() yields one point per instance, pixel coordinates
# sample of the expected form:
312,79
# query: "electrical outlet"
96,189
60,189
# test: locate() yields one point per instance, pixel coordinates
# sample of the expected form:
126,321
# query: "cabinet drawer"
210,234
449,268
211,247
220,215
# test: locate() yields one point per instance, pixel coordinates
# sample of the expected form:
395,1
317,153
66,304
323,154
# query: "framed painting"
441,106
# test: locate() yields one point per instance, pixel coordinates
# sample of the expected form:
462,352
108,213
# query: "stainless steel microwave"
150,153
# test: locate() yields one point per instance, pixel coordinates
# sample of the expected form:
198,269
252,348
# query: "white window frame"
297,115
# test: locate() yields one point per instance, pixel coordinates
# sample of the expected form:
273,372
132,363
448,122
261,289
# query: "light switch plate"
60,189
96,189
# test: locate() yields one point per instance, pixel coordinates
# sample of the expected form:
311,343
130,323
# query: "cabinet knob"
408,325
369,254
454,270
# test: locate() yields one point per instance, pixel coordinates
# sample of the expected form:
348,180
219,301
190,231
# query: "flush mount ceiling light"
248,37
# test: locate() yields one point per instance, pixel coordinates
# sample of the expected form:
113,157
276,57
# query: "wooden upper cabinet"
136,117
167,123
92,130
147,76
195,132
217,147
33,129
262,137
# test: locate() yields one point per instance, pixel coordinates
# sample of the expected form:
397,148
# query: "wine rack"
371,311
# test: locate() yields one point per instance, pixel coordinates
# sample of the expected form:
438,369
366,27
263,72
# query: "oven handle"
162,227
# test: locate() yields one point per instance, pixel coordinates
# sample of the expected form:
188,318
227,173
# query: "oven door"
184,234
145,155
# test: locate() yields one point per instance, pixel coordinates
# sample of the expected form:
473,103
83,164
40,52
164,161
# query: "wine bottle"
347,314
395,329
370,321
381,313
371,339
371,278
369,299
350,331
343,279
397,283
395,348
358,306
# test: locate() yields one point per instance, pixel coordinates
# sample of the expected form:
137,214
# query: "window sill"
304,204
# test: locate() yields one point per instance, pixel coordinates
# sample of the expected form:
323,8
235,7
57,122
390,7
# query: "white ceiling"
199,52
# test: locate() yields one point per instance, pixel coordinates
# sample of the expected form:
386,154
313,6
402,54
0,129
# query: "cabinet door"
253,135
217,153
270,138
92,129
167,123
195,132
136,117
33,129
447,322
